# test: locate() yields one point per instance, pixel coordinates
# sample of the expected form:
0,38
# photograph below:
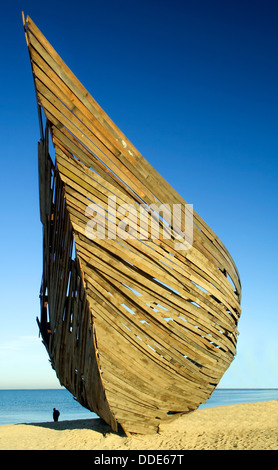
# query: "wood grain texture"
137,329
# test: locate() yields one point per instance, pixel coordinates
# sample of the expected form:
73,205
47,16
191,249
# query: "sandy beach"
250,426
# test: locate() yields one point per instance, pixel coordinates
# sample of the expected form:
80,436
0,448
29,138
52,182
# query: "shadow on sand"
96,424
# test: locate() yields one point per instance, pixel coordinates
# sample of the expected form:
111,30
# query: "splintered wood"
139,324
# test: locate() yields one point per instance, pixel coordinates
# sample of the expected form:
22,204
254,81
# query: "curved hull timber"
138,330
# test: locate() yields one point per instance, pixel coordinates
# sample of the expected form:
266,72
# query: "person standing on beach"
56,414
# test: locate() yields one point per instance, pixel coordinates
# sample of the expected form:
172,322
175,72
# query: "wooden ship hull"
138,330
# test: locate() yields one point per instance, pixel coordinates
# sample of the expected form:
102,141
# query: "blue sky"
193,85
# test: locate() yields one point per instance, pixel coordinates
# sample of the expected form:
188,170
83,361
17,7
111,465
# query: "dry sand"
250,426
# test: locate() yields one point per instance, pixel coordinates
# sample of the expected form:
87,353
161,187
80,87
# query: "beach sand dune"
249,426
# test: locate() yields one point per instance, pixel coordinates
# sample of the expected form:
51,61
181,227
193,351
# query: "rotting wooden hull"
140,332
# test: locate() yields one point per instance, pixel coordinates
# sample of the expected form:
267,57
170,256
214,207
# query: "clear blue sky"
193,84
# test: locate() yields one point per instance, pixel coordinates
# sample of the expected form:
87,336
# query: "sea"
36,406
